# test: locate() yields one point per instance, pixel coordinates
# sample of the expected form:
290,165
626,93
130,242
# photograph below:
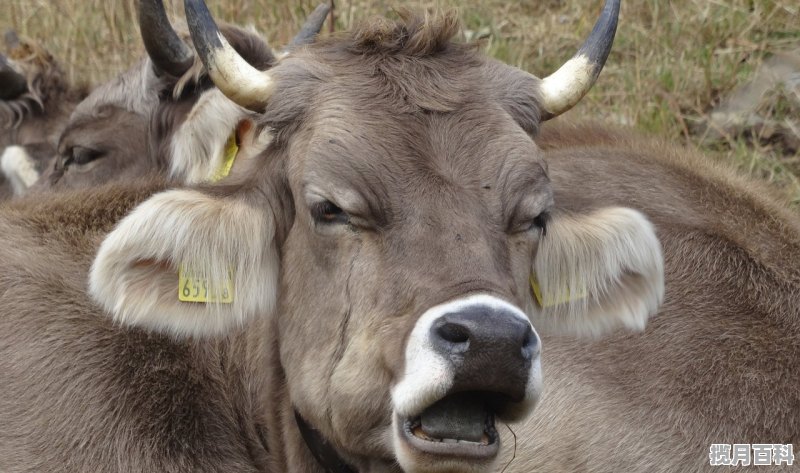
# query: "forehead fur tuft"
412,34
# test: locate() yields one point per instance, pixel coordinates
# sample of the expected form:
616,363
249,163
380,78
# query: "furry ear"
597,272
225,246
19,168
199,147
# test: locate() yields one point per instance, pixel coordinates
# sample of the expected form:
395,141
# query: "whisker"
514,454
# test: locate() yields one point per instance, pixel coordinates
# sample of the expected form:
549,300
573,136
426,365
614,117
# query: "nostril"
530,344
453,333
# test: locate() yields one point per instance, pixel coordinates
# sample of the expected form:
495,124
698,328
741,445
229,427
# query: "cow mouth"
459,425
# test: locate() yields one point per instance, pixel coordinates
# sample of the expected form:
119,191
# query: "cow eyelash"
541,221
326,212
80,156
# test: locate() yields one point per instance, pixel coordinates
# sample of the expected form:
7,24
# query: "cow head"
164,106
388,237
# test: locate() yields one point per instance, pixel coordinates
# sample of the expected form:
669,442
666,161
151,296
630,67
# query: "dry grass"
673,61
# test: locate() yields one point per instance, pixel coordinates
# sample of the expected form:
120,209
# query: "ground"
723,75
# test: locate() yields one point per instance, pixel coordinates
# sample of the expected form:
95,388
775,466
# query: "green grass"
672,62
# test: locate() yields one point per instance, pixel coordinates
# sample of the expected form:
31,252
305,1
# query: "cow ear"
188,263
204,147
597,272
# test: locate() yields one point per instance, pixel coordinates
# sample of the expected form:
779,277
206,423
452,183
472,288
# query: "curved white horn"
235,77
562,89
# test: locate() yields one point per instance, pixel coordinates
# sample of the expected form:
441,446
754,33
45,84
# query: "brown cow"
359,286
163,107
35,102
119,130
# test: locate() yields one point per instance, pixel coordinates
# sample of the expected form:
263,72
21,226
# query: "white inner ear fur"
135,274
19,169
613,257
198,145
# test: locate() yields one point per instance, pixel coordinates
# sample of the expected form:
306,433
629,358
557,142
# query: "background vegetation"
673,64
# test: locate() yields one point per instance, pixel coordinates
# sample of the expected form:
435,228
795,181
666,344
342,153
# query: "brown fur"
151,404
437,195
717,364
155,405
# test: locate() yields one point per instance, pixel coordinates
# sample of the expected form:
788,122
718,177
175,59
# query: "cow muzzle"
469,362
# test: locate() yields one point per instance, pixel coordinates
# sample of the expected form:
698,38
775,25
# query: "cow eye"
540,222
327,212
79,155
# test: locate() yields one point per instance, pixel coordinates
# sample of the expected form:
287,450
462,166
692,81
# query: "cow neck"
322,450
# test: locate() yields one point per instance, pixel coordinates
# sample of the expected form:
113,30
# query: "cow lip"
487,447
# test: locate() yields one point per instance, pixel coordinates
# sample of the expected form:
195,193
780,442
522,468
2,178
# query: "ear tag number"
193,289
228,157
551,299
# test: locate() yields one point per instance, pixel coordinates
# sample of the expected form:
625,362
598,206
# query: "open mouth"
458,425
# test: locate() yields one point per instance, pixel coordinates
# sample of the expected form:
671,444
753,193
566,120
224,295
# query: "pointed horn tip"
563,89
11,38
312,26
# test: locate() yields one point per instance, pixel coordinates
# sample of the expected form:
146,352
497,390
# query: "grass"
672,63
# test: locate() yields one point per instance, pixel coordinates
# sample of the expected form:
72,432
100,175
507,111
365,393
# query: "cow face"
389,237
104,139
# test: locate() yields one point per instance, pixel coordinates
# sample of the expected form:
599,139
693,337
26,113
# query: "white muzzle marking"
429,375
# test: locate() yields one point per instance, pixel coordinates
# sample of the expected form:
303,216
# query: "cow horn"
235,77
12,83
312,26
11,39
562,89
168,53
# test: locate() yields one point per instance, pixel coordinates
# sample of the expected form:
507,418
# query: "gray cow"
163,107
357,297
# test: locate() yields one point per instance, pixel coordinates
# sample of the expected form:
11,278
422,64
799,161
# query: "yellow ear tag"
550,300
193,289
229,156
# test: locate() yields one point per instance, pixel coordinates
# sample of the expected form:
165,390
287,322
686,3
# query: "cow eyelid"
527,224
328,213
80,155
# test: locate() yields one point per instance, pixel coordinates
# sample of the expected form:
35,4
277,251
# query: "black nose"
491,349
